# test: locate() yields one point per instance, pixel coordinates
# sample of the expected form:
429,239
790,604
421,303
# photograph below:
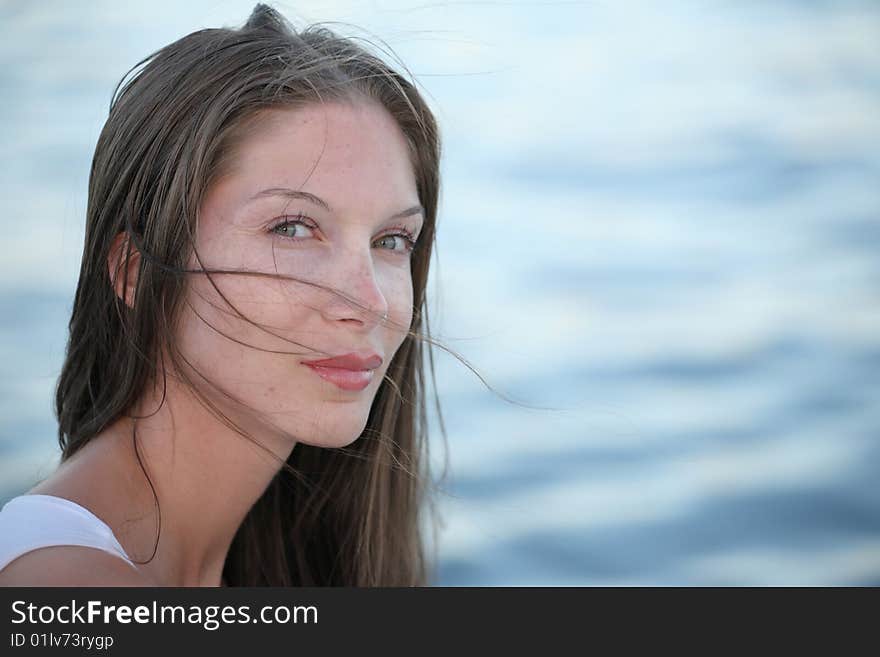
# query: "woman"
242,400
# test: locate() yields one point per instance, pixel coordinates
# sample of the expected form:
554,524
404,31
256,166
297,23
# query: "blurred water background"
661,218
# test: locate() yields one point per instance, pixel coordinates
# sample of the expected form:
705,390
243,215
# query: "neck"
206,477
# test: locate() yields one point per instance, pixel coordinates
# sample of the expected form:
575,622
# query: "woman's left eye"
405,239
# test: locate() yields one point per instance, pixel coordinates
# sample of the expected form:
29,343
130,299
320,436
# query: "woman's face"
324,193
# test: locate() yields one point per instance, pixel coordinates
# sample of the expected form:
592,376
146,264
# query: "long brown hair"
350,516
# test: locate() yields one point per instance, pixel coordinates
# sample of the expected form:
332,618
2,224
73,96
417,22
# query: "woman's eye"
404,242
290,229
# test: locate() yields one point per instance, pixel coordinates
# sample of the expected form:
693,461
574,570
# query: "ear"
124,274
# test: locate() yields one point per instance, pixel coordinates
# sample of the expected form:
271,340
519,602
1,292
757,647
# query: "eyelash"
403,231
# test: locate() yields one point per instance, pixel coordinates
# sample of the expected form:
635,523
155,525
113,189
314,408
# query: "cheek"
398,292
228,318
400,313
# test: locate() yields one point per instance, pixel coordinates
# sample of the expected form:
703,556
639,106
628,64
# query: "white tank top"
29,522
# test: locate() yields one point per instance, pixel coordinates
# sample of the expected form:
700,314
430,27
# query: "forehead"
348,152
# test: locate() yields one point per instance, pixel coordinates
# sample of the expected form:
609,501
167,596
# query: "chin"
330,441
336,436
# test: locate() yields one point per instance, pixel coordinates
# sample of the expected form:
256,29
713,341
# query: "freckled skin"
355,158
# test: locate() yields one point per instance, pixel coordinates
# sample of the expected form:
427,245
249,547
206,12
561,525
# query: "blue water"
661,222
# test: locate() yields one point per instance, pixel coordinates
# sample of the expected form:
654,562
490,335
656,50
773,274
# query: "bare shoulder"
70,565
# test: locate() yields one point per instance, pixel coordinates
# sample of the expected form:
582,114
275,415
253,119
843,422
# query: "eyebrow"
311,198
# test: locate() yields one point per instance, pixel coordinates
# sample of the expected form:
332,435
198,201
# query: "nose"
358,297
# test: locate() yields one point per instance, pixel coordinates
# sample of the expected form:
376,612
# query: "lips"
348,372
350,361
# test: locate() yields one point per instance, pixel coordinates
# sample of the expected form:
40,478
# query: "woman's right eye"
290,228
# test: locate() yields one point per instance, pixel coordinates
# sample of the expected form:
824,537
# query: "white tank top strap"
30,522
